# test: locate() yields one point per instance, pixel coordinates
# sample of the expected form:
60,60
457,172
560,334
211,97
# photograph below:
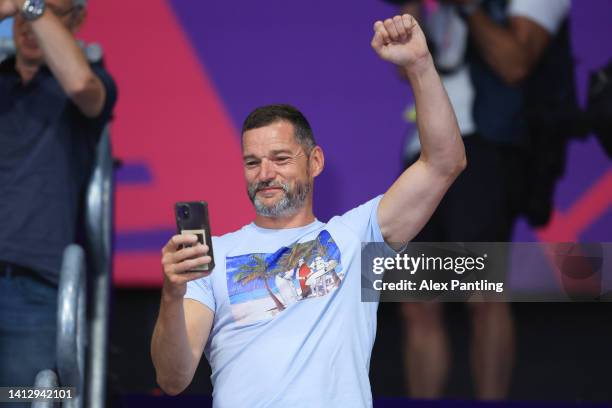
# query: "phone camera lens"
185,211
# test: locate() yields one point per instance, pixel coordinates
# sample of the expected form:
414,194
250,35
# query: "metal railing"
45,379
99,216
71,319
71,331
88,375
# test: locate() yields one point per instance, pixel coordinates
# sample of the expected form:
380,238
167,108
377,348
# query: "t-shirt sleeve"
93,127
547,13
201,290
111,93
363,220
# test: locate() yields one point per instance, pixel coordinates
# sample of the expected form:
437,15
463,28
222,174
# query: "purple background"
317,57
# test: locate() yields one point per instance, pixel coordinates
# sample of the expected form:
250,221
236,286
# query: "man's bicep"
410,202
198,320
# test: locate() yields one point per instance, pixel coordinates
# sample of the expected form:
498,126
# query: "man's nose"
267,171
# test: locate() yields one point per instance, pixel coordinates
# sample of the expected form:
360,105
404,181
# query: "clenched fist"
401,41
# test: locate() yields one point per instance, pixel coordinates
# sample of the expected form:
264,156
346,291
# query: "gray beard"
287,206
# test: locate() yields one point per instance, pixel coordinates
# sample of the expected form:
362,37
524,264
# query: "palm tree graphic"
258,268
308,252
290,260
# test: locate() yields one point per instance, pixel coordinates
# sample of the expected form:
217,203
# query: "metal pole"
45,379
71,323
99,232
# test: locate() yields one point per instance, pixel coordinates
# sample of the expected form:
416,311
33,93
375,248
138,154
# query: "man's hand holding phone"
180,256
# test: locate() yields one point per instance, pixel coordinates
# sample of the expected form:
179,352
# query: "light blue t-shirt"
290,329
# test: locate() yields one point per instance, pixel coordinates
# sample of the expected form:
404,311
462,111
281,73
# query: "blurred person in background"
53,108
486,51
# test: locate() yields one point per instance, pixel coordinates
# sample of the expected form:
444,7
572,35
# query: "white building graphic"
315,279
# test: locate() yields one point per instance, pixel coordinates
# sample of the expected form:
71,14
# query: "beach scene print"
262,285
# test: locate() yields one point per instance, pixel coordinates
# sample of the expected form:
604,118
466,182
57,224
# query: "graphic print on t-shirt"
262,285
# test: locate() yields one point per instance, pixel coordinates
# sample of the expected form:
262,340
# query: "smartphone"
192,218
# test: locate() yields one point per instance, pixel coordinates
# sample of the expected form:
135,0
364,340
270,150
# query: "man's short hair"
269,114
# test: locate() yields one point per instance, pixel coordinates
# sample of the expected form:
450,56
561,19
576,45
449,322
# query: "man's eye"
281,159
251,163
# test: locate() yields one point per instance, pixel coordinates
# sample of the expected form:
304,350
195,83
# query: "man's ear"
317,161
77,19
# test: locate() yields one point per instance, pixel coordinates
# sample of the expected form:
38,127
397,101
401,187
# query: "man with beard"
315,351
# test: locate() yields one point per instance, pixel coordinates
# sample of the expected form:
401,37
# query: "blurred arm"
68,64
511,51
7,9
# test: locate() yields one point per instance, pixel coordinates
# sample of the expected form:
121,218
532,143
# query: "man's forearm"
170,349
441,144
409,203
411,200
68,63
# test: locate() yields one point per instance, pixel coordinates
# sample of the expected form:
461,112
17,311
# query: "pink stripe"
170,117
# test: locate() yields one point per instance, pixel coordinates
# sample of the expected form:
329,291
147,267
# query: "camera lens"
185,211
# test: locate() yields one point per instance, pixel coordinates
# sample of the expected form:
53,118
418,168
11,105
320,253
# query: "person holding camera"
487,51
53,108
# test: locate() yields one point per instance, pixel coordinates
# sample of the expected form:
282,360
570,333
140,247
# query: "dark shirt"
46,155
514,115
498,107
